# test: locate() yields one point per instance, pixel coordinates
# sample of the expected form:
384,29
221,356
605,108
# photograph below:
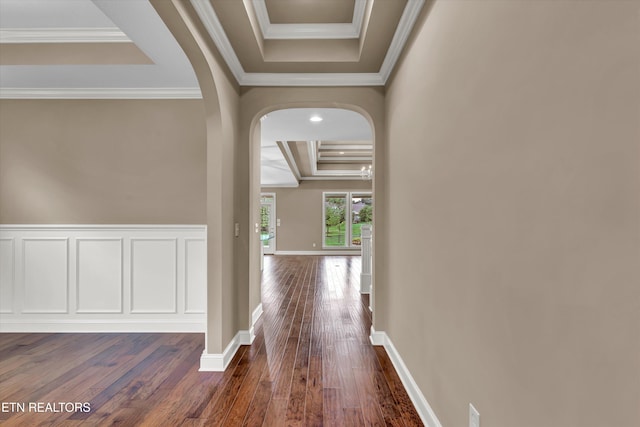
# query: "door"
267,222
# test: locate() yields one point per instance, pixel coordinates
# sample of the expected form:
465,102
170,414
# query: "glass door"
267,223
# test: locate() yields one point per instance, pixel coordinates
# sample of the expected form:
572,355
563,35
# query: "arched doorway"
321,158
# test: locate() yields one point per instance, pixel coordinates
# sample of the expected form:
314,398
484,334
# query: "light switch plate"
474,416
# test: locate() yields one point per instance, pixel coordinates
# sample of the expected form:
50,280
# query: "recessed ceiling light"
342,152
316,118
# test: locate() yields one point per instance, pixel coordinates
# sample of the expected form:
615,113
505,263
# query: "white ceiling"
52,14
170,75
274,169
293,124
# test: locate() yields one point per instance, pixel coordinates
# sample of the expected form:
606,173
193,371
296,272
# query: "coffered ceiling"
304,144
309,42
122,49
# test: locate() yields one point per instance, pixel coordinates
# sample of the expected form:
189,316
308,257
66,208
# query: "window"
361,213
335,220
268,222
343,215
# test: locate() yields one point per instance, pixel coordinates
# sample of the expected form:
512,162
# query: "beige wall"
515,264
227,297
300,212
102,162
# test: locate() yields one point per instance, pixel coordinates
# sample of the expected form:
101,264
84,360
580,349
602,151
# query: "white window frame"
348,215
353,194
274,241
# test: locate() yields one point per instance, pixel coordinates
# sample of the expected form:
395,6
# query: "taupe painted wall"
300,212
227,298
515,264
102,162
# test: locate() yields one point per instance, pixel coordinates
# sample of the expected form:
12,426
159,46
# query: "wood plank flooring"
311,364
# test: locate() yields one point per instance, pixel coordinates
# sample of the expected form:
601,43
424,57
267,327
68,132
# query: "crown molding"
343,159
407,21
313,156
289,158
210,21
100,93
317,174
358,14
309,31
267,185
63,35
310,79
333,178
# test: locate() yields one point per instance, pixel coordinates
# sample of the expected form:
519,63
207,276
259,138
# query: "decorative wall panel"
153,276
99,275
101,278
195,276
46,275
7,273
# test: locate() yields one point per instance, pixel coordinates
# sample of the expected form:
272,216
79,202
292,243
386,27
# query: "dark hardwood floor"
311,364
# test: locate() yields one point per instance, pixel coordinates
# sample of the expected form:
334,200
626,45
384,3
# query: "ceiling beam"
309,31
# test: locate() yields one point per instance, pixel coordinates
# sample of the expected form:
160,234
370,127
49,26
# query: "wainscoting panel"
99,275
7,272
153,275
103,278
195,277
46,275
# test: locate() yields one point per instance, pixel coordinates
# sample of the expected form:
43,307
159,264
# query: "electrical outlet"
474,416
236,230
314,244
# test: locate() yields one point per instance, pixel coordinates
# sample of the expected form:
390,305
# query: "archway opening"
318,163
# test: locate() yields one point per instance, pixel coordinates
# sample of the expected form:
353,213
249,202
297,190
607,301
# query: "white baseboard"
365,283
218,362
377,338
256,314
254,318
244,338
327,252
419,401
102,325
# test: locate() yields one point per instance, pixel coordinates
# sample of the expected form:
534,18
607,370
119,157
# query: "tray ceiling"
283,42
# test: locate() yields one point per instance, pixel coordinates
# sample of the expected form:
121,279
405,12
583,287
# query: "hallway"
311,364
320,366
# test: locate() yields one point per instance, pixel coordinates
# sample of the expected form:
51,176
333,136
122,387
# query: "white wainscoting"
102,278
